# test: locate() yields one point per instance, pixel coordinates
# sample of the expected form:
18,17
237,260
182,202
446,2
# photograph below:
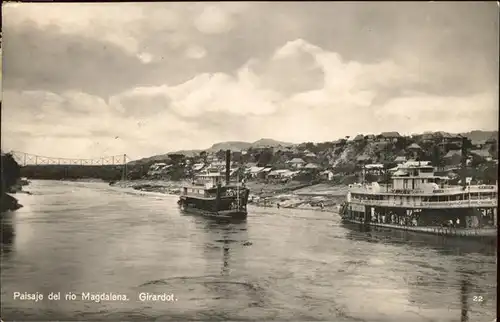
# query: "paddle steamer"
418,200
211,195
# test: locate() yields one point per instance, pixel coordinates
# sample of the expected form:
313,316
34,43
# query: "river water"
280,264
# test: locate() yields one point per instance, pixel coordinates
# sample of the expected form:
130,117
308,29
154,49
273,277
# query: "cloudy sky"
90,80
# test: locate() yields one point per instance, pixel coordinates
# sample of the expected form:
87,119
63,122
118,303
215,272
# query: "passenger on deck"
278,205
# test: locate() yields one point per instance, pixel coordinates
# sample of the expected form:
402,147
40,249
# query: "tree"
370,177
347,167
490,174
265,158
236,156
177,173
11,172
436,157
305,176
221,154
493,149
476,161
310,146
401,143
323,146
177,158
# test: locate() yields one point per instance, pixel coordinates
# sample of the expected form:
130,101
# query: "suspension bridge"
28,159
113,167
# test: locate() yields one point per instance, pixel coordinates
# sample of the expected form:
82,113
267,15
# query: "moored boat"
420,201
210,195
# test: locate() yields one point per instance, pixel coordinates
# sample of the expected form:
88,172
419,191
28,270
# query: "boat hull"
228,207
479,233
222,214
476,223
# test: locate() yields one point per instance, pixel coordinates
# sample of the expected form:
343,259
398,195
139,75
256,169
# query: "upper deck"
204,184
415,185
443,190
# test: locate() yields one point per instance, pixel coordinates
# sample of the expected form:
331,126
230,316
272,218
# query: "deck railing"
445,190
430,204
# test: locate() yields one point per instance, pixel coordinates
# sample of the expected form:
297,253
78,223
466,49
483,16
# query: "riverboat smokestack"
228,166
465,150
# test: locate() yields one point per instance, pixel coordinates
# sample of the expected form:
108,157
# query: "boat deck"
195,196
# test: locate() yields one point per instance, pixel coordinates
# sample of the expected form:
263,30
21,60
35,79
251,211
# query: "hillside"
347,155
229,145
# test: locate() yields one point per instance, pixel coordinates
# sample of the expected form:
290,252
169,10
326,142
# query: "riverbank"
9,203
295,195
318,196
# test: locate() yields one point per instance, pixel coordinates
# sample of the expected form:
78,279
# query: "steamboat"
210,195
420,201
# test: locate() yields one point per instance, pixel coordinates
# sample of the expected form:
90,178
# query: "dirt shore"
288,195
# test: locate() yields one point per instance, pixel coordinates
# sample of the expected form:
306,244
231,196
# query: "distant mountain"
154,158
229,145
240,145
480,135
269,143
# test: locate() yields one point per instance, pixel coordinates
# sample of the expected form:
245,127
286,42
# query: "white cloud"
92,20
209,93
78,125
213,20
422,112
195,52
145,57
147,118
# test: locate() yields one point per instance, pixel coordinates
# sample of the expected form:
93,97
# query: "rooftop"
415,164
400,158
390,134
296,160
481,153
414,146
453,153
363,157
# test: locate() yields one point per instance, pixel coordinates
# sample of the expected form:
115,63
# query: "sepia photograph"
249,161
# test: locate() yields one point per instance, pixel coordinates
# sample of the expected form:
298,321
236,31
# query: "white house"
296,162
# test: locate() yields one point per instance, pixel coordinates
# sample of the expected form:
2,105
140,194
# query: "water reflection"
8,232
464,298
463,283
283,265
224,283
231,235
442,244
